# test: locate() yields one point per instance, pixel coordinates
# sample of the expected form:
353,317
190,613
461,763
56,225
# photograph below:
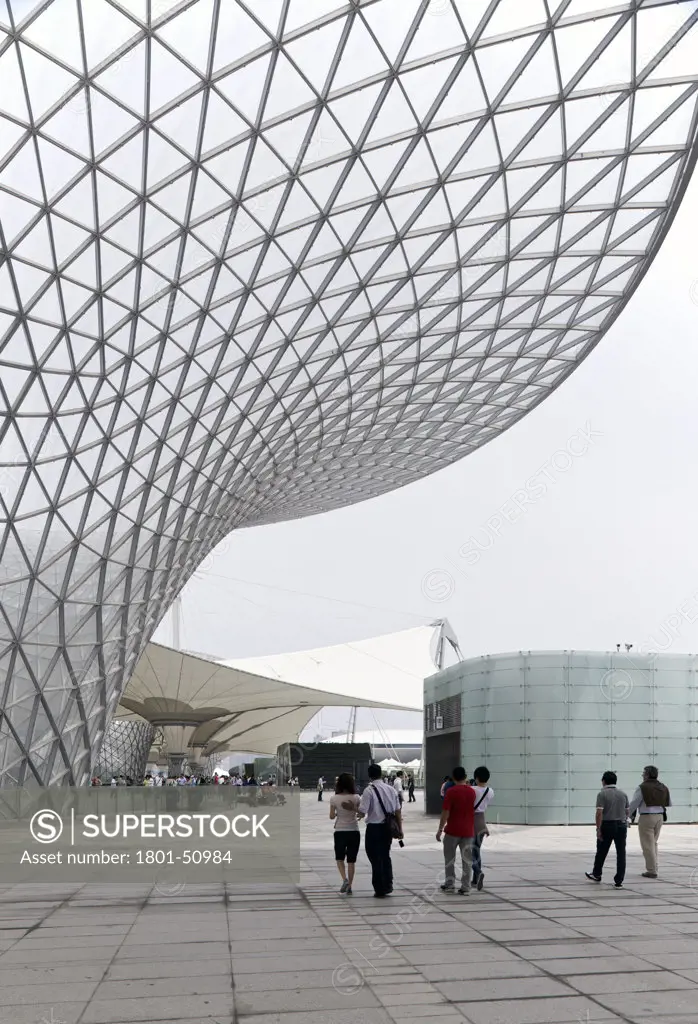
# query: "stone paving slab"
302,999
671,1018
253,965
160,1008
265,981
420,1012
480,970
182,951
36,975
501,988
445,1015
145,988
691,974
538,1011
409,999
610,965
144,969
656,981
362,1015
218,1019
29,995
21,955
671,961
654,1004
36,1013
455,955
576,950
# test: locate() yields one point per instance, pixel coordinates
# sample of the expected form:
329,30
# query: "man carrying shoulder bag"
380,806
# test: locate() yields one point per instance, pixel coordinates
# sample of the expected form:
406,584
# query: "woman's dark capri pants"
346,845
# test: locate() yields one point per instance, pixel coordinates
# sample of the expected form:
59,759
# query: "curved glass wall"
548,724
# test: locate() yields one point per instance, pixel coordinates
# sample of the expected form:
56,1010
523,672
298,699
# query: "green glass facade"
548,724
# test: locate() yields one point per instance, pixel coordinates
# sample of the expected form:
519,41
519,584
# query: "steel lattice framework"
124,750
258,260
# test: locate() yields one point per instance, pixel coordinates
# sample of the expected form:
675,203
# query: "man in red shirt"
457,825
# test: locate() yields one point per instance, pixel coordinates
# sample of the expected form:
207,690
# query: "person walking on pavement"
379,800
457,825
446,785
399,788
650,800
410,790
347,838
484,794
611,827
320,787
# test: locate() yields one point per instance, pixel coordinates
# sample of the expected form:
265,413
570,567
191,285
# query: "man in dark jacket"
650,800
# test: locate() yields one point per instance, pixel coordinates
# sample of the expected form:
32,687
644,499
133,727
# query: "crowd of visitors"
186,779
463,825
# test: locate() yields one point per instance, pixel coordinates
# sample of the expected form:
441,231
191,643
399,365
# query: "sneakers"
345,886
649,874
618,885
592,878
451,890
347,891
480,881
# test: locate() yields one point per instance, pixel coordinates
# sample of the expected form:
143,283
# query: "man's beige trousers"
649,826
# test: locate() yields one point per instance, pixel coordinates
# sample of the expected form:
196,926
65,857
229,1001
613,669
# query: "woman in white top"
344,804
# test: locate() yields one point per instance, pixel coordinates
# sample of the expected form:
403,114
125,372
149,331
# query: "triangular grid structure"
255,266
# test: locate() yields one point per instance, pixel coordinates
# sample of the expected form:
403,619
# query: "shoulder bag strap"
481,799
385,813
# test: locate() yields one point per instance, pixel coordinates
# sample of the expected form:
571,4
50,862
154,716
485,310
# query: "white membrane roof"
262,702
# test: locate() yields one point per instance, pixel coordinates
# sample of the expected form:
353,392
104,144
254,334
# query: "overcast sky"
593,550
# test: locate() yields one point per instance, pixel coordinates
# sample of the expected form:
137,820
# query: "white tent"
255,704
390,668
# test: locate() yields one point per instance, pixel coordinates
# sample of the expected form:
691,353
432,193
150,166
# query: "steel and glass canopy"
258,260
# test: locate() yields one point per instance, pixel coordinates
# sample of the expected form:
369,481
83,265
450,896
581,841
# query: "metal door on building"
442,756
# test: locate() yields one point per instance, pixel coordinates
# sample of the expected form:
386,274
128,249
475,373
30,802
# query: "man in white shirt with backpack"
483,798
378,802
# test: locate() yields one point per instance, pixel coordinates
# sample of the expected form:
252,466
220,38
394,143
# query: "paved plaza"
540,944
